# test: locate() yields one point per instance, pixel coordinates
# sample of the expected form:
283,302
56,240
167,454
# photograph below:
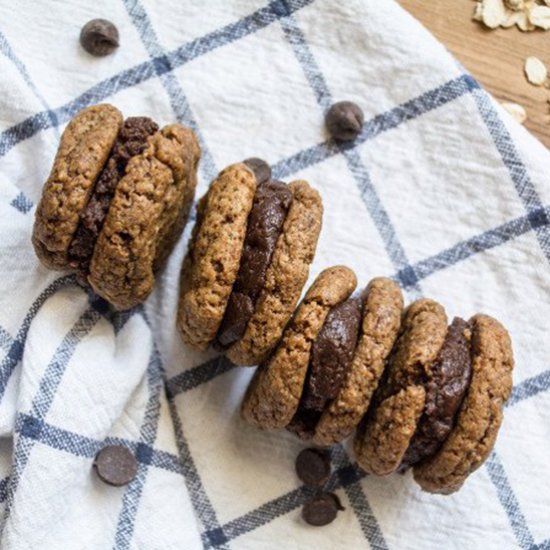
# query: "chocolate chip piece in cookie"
331,355
265,223
344,120
261,169
321,509
472,438
99,37
313,466
448,380
131,141
273,395
382,310
115,465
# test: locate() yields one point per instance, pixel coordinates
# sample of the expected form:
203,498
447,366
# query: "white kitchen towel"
442,191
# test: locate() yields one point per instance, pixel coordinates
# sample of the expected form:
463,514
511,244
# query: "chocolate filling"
131,141
265,223
445,390
331,356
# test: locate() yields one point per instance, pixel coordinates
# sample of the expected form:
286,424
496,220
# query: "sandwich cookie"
321,377
116,201
248,261
427,396
274,393
480,417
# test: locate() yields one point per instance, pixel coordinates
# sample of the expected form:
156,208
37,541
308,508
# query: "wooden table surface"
494,57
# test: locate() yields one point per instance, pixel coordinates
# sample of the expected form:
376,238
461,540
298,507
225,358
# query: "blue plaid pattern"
33,428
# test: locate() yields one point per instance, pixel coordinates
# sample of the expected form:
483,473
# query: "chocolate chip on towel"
313,467
321,509
99,37
344,120
116,465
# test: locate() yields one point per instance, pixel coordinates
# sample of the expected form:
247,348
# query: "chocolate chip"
344,120
261,169
116,465
313,467
321,509
99,37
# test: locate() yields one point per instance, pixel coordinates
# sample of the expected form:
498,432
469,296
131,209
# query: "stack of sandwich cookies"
423,394
247,262
320,378
440,406
116,201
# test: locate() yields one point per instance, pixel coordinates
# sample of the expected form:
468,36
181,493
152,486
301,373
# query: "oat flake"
515,5
523,22
536,71
540,16
494,13
516,110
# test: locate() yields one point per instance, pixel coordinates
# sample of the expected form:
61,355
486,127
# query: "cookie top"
273,395
212,262
148,204
382,310
83,151
285,277
402,393
420,340
480,416
381,441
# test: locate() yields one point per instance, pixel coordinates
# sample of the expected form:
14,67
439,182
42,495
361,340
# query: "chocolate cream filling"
265,224
331,357
445,391
131,141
